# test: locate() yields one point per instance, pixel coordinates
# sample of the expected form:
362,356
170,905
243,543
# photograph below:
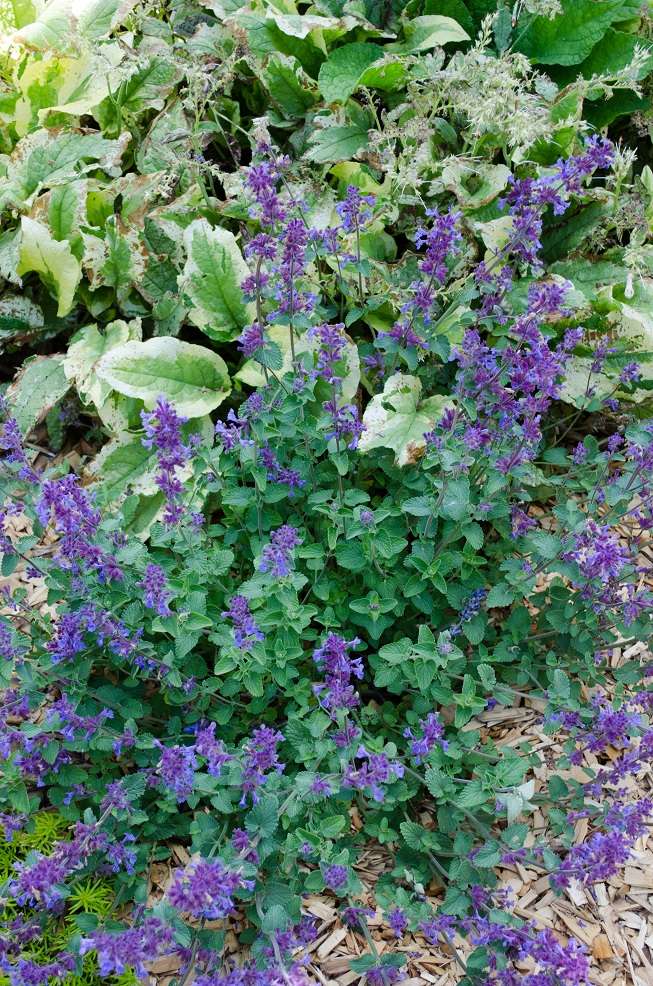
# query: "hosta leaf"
37,388
211,279
569,38
340,73
54,261
398,419
193,378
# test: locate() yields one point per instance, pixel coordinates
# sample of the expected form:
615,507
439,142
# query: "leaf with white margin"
194,379
38,386
85,351
252,374
211,279
398,419
59,268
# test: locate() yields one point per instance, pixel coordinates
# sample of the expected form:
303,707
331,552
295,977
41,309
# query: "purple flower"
121,855
10,824
335,876
276,557
598,552
76,521
205,889
631,373
471,609
352,210
345,424
331,350
163,434
251,340
154,586
355,917
372,774
337,692
212,749
432,736
242,843
119,951
11,443
234,432
176,770
397,922
441,241
260,756
245,629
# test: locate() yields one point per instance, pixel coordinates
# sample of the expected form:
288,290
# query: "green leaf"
341,72
67,209
569,38
286,83
39,385
397,419
430,31
455,500
58,267
613,53
211,280
500,595
193,378
332,144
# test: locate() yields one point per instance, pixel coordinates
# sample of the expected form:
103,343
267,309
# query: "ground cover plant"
359,368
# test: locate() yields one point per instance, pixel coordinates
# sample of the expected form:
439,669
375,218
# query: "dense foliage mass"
404,250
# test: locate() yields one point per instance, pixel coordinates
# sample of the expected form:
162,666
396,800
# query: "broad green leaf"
331,144
398,419
569,38
87,348
252,374
287,84
613,53
211,280
387,74
341,72
193,378
55,263
429,31
40,383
